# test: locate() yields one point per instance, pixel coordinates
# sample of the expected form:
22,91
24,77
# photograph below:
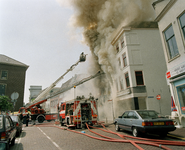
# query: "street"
48,137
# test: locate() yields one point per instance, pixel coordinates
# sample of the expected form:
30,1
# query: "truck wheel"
41,119
61,121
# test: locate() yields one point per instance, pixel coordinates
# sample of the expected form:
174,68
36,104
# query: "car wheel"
18,133
117,127
13,141
7,146
135,132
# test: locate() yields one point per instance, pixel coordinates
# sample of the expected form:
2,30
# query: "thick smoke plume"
100,18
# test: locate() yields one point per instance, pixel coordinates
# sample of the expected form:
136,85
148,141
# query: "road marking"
50,139
18,141
178,137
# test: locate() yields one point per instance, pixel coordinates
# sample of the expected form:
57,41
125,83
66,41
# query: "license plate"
158,123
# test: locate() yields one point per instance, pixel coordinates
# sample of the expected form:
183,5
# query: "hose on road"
145,141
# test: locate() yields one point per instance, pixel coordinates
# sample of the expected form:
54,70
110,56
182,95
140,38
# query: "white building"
140,78
34,92
170,15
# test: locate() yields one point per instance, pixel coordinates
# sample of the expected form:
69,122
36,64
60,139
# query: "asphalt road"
52,138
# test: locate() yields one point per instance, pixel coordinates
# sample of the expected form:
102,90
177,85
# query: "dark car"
7,132
144,121
18,123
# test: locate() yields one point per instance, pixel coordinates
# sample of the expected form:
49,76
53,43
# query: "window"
122,43
130,115
139,78
4,75
2,89
171,42
7,123
125,115
1,122
127,80
181,96
124,60
117,48
182,23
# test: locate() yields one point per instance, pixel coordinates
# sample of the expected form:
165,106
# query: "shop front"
176,78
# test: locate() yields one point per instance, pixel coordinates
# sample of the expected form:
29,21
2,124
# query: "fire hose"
152,142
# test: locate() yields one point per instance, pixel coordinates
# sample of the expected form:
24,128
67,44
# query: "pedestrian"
27,119
21,116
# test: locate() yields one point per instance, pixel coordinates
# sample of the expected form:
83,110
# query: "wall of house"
144,53
15,82
171,18
175,66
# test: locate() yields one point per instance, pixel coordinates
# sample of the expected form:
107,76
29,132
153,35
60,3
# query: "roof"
10,61
121,29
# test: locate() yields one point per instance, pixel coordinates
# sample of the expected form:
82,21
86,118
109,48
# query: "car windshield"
14,118
1,122
150,114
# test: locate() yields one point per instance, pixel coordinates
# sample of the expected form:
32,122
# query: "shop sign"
168,75
176,71
183,108
150,96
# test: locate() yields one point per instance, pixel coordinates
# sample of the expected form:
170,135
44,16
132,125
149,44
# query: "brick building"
12,78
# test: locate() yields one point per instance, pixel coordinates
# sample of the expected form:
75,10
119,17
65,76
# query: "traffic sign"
14,95
158,97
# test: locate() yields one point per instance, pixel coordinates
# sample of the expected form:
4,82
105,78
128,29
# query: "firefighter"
27,119
21,116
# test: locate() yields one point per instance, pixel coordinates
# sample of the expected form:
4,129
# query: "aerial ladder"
37,113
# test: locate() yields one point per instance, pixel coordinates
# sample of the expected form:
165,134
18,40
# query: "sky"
38,34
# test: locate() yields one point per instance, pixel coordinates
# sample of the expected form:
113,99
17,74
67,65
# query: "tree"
5,103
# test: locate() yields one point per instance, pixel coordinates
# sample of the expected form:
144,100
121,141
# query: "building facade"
170,15
34,92
12,78
140,79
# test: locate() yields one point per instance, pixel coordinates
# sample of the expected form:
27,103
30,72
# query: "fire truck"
37,113
77,112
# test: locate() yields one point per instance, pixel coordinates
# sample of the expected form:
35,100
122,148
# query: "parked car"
144,121
7,132
18,123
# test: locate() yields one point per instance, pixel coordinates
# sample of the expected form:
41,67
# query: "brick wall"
15,82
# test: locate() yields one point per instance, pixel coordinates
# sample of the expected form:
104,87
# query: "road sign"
14,95
158,97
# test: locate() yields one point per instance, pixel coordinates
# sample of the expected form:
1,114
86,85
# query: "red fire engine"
75,113
37,113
